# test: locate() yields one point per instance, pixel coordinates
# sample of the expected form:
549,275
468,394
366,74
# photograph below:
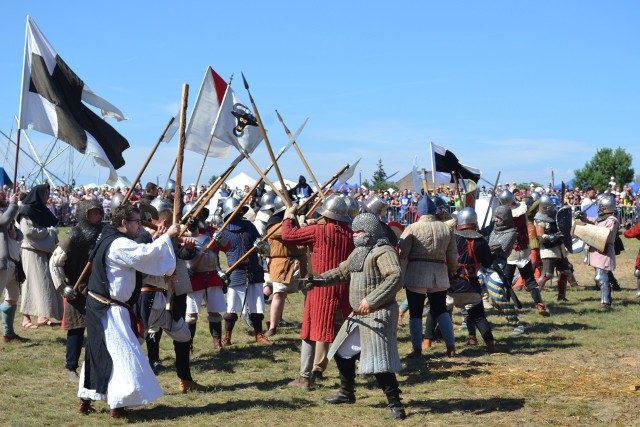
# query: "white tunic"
132,381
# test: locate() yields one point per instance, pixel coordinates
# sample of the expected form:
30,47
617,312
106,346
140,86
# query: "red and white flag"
216,109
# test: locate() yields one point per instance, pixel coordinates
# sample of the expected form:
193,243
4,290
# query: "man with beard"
66,265
370,333
116,369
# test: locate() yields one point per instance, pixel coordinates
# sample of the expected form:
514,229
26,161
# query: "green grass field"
578,367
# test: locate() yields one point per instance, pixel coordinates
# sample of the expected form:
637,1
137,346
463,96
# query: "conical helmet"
375,205
353,206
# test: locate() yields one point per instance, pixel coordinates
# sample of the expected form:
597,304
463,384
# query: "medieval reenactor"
66,265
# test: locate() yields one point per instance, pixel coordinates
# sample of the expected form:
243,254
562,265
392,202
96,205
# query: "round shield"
396,227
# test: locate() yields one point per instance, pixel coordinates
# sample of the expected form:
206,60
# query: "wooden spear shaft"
180,156
15,168
285,199
304,161
146,163
277,227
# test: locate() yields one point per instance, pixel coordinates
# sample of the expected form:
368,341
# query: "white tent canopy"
239,181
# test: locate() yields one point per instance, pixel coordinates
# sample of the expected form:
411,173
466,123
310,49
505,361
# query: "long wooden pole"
277,227
180,156
146,163
285,199
304,161
206,153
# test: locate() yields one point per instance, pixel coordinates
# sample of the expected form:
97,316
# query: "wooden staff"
285,199
455,182
304,161
146,163
164,189
277,227
177,197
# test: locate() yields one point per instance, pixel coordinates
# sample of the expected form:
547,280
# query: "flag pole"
285,199
15,169
304,161
146,163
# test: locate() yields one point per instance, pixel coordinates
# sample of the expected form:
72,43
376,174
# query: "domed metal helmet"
278,205
606,204
187,208
375,205
467,218
171,185
506,198
441,205
267,200
535,195
546,204
335,207
230,205
116,200
353,206
160,204
217,216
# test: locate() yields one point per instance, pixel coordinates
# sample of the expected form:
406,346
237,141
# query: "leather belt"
435,261
151,289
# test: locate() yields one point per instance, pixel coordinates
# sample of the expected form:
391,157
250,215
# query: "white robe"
132,381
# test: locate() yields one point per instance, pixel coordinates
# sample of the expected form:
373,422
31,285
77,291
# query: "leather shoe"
188,385
416,353
15,337
84,407
271,332
260,339
72,376
317,376
300,382
340,398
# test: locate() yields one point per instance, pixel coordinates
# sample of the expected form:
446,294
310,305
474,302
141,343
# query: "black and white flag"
51,103
443,162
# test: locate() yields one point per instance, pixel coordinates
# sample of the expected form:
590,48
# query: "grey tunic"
377,283
39,296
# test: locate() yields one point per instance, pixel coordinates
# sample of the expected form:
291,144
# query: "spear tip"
246,85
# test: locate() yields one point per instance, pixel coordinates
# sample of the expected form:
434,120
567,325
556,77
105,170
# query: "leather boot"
117,413
472,340
227,339
426,344
491,346
415,353
84,407
344,395
451,351
347,371
260,339
395,406
562,296
300,382
217,344
542,310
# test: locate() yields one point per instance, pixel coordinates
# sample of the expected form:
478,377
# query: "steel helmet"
467,218
160,204
335,207
375,205
116,200
606,204
353,206
230,205
187,208
171,185
506,198
535,195
546,204
267,200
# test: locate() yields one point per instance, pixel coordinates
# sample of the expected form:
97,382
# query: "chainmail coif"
373,236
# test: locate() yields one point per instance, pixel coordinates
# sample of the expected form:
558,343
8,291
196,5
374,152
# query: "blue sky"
518,87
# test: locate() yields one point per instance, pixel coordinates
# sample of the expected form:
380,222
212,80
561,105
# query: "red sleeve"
298,236
633,232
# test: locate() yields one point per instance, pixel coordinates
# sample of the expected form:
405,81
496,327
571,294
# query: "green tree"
212,179
379,179
606,163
